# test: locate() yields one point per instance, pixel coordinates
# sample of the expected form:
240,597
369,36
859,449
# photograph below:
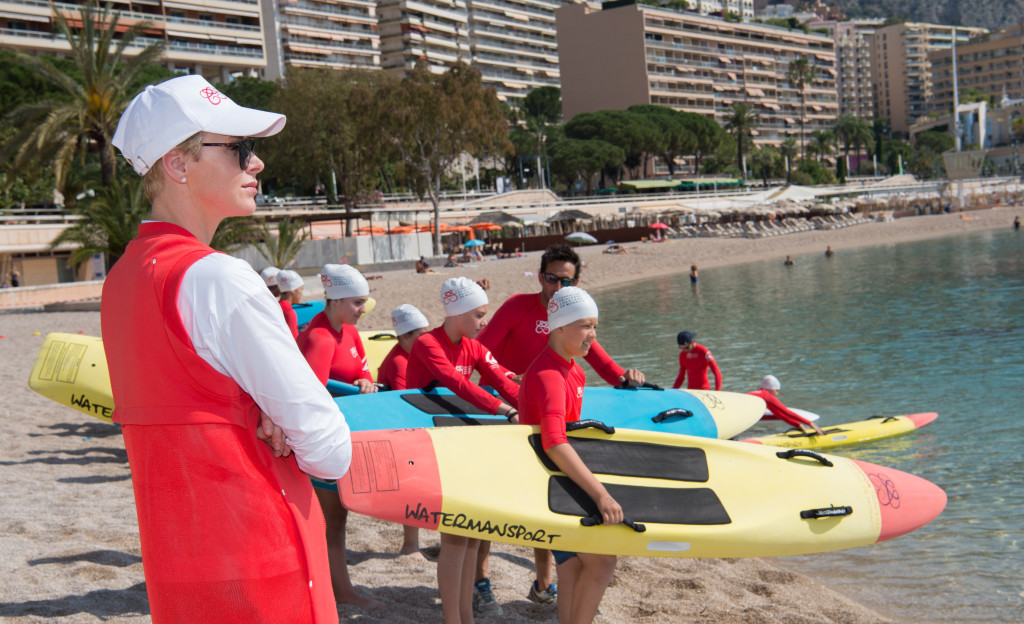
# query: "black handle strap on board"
383,336
645,385
590,423
885,419
669,413
596,519
791,453
431,386
826,512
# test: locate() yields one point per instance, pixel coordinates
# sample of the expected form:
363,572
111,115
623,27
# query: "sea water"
934,326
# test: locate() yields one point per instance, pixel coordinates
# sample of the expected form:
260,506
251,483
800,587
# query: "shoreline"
70,535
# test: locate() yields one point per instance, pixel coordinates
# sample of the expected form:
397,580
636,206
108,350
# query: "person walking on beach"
409,324
220,428
695,360
333,349
448,355
769,391
517,333
551,396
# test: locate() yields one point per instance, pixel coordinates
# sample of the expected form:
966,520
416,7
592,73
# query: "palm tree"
821,144
788,149
801,74
109,221
235,232
741,122
86,119
280,248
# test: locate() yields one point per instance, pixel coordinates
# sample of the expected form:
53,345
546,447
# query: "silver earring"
182,179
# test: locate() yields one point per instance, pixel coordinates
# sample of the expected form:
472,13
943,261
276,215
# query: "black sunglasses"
245,149
554,279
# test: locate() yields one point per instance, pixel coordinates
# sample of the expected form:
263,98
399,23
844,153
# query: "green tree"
107,222
432,119
59,129
235,232
973,94
789,150
281,247
708,135
800,73
822,144
539,110
741,122
250,92
572,158
937,142
677,140
893,151
335,114
764,162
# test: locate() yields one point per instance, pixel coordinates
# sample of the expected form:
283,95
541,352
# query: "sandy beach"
68,533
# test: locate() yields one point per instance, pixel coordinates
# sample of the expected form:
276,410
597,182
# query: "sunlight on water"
933,326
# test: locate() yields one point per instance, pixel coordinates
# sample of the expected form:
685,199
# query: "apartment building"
639,54
217,40
513,43
338,34
743,8
992,63
435,31
903,85
854,82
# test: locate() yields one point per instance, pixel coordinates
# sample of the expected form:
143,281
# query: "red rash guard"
779,410
518,333
434,357
290,318
552,395
695,363
334,355
392,371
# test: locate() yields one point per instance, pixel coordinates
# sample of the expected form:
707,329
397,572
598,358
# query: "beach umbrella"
486,227
460,228
658,226
581,237
476,242
371,229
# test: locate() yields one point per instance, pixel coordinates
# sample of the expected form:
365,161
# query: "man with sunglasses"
517,334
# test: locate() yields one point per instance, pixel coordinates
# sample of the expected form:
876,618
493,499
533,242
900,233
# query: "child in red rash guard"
694,360
552,395
409,324
769,391
290,284
449,354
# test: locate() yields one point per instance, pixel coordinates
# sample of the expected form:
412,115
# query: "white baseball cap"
460,295
164,115
342,280
569,305
770,382
288,281
406,318
269,275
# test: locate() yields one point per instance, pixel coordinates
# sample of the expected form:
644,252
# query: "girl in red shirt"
552,395
332,346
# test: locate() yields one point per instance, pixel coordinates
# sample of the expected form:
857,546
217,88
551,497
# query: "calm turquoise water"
933,326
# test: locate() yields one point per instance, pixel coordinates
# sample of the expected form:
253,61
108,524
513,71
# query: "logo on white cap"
569,305
341,281
406,318
460,295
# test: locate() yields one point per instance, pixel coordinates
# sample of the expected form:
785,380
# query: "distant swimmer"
789,261
828,252
1016,222
769,391
693,274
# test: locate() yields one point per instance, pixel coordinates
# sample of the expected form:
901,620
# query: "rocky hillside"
992,14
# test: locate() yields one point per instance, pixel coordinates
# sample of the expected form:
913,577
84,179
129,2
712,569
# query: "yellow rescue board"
71,369
874,428
696,497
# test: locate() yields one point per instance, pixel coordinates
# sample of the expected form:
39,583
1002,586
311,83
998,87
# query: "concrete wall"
361,250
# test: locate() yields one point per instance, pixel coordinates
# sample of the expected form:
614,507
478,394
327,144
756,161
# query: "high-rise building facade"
992,64
514,44
217,40
854,82
903,86
434,31
639,54
337,34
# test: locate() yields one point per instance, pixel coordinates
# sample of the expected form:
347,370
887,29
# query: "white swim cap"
770,382
406,318
569,305
288,281
460,295
341,281
269,275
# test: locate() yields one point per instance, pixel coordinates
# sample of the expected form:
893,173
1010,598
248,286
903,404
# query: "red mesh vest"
229,532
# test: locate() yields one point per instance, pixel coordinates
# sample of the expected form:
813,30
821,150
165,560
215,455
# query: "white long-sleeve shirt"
237,327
